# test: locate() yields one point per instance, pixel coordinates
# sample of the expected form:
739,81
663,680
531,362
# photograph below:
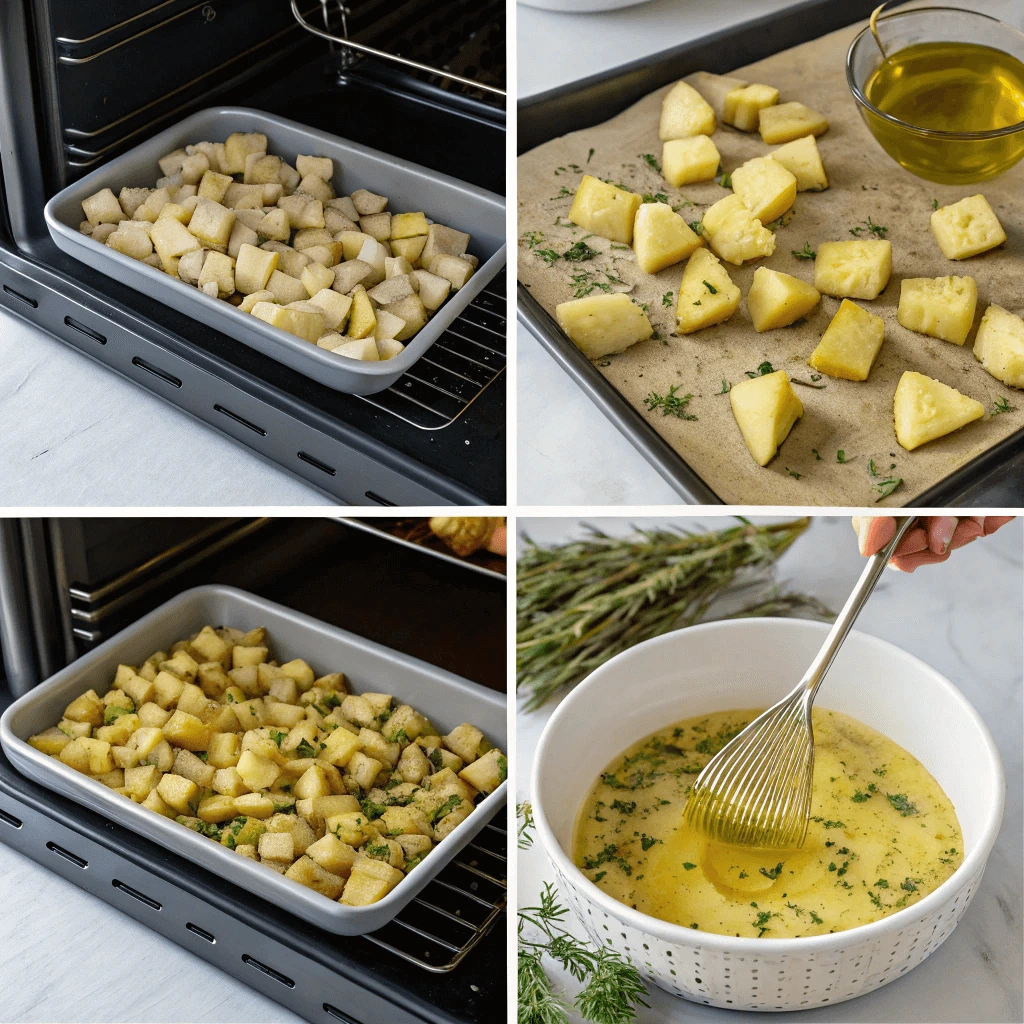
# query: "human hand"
929,540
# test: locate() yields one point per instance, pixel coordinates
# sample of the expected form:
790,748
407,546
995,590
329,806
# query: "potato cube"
364,349
253,268
86,708
767,188
409,248
315,278
452,820
967,228
213,809
802,159
742,107
102,232
850,343
188,766
212,678
131,199
376,225
141,781
408,225
243,197
367,202
264,170
391,289
326,255
661,237
171,163
406,821
351,827
765,408
925,409
388,325
179,793
219,270
443,240
399,266
364,769
778,300
254,805
285,288
684,113
432,290
454,269
684,161
601,325
305,325
785,122
334,306
413,765
321,166
285,715
336,222
188,731
51,741
375,745
941,307
316,187
171,239
312,783
238,146
212,223
213,186
853,270
257,772
140,690
154,802
714,89
250,300
241,234
999,345
333,855
487,773
228,782
193,167
411,311
176,210
182,664
604,210
251,714
362,321
734,233
80,755
341,745
467,741
369,882
277,846
103,208
190,266
312,875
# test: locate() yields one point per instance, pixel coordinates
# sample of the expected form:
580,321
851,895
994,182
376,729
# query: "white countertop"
568,452
965,618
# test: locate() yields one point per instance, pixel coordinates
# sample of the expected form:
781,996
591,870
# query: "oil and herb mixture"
882,835
949,87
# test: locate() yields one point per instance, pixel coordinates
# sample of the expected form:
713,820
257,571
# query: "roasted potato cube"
218,270
853,270
802,159
257,772
254,805
172,239
684,113
215,809
369,882
446,825
333,855
765,408
153,716
603,209
778,300
224,750
180,793
341,746
141,781
601,325
313,783
714,89
413,765
140,690
406,820
304,325
214,186
210,647
999,345
364,769
925,409
50,741
742,107
967,228
154,802
467,741
375,745
684,161
263,170
941,307
190,266
86,708
228,782
404,725
314,876
767,188
103,208
135,244
74,729
89,756
707,295
486,773
785,122
661,237
185,730
212,223
119,733
277,846
734,233
351,827
850,343
188,766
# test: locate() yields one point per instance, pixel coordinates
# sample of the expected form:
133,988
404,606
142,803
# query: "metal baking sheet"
408,186
597,99
446,698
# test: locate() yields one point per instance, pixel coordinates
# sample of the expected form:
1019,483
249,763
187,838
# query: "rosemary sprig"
525,830
613,989
581,603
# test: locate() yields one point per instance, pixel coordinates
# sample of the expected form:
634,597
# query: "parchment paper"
853,416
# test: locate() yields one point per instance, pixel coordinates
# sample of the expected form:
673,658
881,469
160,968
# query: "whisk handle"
854,603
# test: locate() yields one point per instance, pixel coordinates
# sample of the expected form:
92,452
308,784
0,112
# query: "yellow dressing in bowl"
882,835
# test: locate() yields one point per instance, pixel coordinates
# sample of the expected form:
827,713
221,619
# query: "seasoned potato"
777,300
707,295
742,106
766,408
734,233
967,228
684,161
850,343
999,345
785,122
604,209
853,270
601,325
766,188
803,160
925,409
661,237
684,113
941,307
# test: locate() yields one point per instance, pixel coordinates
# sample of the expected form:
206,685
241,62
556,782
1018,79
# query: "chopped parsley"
725,387
590,154
563,191
935,204
670,404
762,370
817,457
871,228
651,161
902,804
114,712
886,487
882,883
815,918
725,180
806,253
763,917
549,256
277,736
697,227
793,473
859,797
711,288
666,299
304,749
688,866
772,873
579,252
646,841
841,456
626,806
654,197
533,239
1000,405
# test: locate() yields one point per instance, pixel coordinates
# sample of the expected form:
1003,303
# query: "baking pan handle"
363,48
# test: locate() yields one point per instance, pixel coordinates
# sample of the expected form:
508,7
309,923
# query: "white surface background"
568,452
965,618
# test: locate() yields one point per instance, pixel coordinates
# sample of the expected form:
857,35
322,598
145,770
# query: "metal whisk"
756,791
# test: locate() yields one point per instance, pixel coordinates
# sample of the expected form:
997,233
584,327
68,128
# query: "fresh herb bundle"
579,604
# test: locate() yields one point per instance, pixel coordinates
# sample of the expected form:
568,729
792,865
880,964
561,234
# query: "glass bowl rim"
932,133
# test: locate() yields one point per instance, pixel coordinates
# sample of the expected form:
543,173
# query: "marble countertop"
966,619
569,453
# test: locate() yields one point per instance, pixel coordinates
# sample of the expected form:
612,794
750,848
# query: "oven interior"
68,584
80,84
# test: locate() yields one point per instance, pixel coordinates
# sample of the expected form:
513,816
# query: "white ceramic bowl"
747,663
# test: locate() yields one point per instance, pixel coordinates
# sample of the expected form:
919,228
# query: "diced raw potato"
185,192
487,773
331,341
306,238
289,178
193,168
410,248
389,326
285,288
151,208
243,197
214,152
853,270
362,321
290,261
396,266
734,233
941,307
190,266
315,278
246,851
85,227
778,300
51,741
321,166
684,113
714,89
850,343
367,202
213,186
966,228
326,255
999,345
661,237
431,288
103,208
241,234
212,223
601,325
742,107
376,225
250,218
220,271
391,289
238,146
373,254
348,275
441,239
802,159
345,205
388,348
275,226
767,188
352,242
765,408
295,206
364,349
684,161
102,232
453,269
316,187
135,244
171,163
369,882
334,306
250,300
305,325
131,199
179,793
175,210
336,222
263,170
408,225
925,409
604,209
411,310
253,268
785,122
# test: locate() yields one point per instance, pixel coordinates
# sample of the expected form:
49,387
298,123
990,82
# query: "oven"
66,585
419,79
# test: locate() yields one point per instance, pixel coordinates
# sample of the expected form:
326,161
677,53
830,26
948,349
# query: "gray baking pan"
408,187
445,698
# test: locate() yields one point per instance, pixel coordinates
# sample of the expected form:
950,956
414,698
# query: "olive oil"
949,87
